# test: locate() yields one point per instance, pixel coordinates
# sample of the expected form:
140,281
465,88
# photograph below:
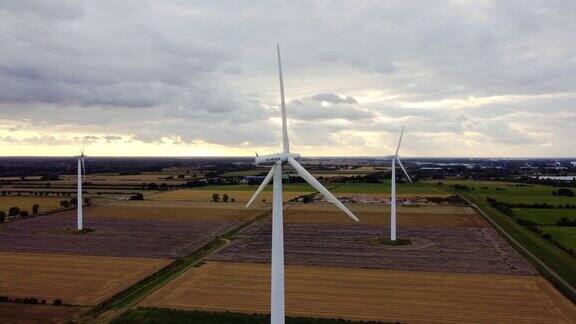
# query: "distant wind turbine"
79,200
395,158
277,160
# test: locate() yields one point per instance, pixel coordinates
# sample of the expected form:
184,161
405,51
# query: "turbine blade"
318,186
285,142
403,169
83,167
262,186
400,141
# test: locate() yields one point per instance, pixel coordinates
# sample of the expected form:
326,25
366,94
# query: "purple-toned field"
112,236
462,250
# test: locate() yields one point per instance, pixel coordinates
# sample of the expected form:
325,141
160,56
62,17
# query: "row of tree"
225,197
35,193
29,300
16,211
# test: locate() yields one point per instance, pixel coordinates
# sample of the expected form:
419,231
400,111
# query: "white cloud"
459,73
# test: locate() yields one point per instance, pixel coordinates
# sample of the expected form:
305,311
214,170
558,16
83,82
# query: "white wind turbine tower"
79,199
395,158
277,160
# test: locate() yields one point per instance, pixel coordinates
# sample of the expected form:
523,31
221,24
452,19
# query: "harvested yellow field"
191,204
206,195
26,202
363,294
432,209
76,280
422,216
175,210
383,218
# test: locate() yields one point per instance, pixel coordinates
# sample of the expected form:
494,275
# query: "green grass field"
544,216
509,192
562,234
513,193
244,173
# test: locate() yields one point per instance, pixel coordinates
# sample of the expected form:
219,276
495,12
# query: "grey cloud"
312,108
62,9
333,98
112,138
37,140
500,131
206,71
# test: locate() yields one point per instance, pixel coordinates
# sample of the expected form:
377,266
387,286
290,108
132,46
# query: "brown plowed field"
206,195
362,294
22,313
458,249
77,280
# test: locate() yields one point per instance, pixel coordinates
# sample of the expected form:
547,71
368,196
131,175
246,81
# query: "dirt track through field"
77,280
361,294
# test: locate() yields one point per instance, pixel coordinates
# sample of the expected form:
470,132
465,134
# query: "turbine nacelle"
271,159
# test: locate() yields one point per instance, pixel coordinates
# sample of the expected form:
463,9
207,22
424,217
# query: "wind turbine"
277,160
79,200
395,158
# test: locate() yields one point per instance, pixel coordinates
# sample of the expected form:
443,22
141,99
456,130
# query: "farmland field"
206,195
301,187
514,193
544,216
416,188
76,280
463,250
557,259
175,211
244,173
26,203
363,294
380,215
428,209
23,313
135,180
111,236
563,234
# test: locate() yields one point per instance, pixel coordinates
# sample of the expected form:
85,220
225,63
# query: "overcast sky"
187,78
